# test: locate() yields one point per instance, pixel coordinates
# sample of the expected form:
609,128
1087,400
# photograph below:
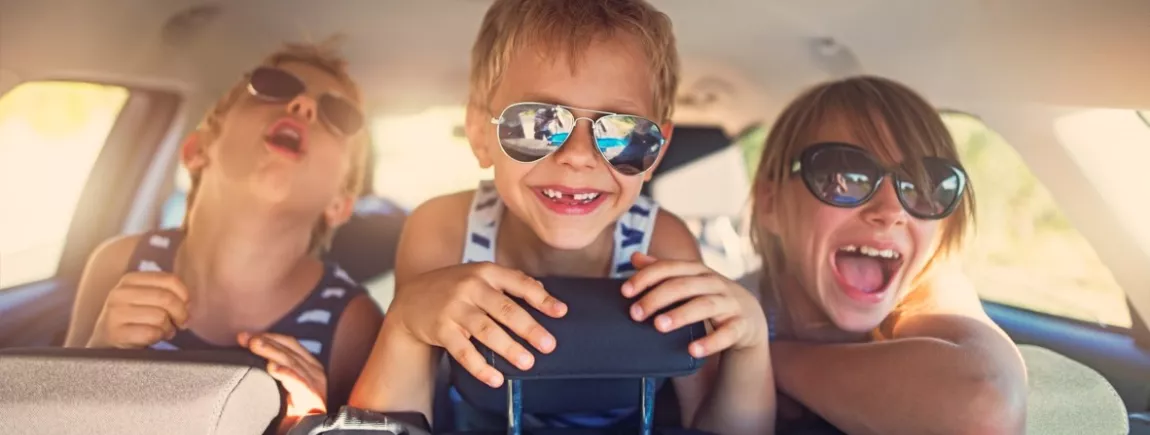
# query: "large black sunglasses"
279,86
529,132
845,175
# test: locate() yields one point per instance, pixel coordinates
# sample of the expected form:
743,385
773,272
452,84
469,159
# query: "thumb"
641,260
244,338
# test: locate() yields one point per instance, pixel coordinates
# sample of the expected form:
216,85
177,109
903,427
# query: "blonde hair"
881,112
572,26
325,57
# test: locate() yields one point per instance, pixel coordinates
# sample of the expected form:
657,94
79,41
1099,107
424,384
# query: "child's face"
855,291
612,75
251,152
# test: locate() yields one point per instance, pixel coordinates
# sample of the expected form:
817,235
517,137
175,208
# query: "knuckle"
507,309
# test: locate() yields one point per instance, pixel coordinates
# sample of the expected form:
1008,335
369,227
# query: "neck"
801,318
233,253
522,249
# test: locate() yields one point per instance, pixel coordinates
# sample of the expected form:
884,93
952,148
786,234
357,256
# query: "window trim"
1145,115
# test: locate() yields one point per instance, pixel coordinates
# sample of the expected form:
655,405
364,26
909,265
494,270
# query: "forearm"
742,400
904,386
399,375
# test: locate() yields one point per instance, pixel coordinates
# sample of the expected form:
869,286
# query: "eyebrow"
616,106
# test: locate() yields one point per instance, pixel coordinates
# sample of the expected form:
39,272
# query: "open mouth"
868,269
287,136
560,197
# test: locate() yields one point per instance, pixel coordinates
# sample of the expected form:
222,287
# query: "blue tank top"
312,322
633,233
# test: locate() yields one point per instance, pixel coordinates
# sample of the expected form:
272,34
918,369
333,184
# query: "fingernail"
696,350
663,323
548,343
628,289
495,380
525,361
560,308
637,312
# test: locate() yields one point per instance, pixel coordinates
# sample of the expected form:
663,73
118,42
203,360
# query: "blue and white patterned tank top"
312,322
633,233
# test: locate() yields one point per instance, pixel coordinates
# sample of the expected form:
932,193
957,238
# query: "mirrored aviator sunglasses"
278,86
529,132
845,175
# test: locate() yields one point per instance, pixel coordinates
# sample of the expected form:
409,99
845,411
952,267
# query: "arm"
945,369
400,372
354,336
105,267
734,392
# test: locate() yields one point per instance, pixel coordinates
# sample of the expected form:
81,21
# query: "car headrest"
1068,397
95,392
599,339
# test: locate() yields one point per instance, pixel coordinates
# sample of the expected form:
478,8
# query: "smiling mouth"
581,198
866,268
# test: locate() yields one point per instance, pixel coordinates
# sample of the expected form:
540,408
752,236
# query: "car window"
1026,253
51,133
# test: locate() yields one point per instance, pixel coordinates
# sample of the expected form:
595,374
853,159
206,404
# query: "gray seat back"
1067,397
98,392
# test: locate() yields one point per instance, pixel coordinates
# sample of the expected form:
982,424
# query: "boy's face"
612,75
251,152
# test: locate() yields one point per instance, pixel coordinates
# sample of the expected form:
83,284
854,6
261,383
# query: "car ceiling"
748,55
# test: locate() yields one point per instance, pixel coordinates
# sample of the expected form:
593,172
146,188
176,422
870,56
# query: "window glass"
50,135
1025,252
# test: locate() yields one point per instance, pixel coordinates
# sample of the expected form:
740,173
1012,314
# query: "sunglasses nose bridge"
579,150
884,208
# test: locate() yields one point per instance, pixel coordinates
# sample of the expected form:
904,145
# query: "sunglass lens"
841,176
529,132
629,143
341,114
942,183
274,84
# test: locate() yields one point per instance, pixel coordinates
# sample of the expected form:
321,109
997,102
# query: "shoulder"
105,267
112,256
433,235
672,239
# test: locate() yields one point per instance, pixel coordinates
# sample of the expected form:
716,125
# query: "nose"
580,151
884,210
302,106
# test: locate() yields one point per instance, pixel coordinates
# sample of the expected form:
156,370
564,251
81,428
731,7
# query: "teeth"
555,194
586,196
869,251
289,133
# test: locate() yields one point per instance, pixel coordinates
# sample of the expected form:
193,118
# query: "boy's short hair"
325,57
572,26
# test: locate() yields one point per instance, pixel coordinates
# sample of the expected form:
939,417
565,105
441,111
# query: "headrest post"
514,406
648,402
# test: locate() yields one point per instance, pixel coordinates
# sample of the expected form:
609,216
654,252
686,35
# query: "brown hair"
572,26
881,112
325,57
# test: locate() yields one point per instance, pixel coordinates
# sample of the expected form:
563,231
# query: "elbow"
996,406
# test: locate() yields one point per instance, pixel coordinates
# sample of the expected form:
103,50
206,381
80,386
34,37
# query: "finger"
294,383
715,342
136,336
672,291
162,280
641,260
143,315
465,353
274,352
509,313
176,308
516,283
658,272
484,329
697,310
293,344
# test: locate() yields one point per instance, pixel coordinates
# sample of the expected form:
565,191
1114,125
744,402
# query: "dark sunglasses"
279,86
844,175
529,132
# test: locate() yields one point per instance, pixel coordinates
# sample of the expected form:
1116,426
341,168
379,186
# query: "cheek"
926,237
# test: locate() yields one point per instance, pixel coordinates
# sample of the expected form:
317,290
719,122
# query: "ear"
339,210
193,152
478,134
668,130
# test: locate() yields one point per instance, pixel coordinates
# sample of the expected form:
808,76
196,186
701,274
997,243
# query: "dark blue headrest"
600,355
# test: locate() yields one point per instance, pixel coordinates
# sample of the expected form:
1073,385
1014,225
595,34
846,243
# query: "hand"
142,309
448,306
293,366
734,313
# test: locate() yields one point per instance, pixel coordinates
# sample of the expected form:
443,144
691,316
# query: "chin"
567,239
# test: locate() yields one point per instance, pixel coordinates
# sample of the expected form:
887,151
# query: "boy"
275,167
564,202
